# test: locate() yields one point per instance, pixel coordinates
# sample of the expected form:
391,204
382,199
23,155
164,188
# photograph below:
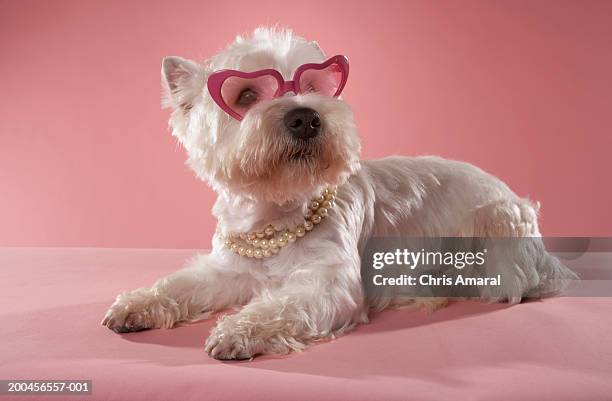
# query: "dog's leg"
505,218
526,268
317,302
201,287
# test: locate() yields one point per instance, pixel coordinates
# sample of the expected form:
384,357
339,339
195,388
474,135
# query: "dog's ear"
315,44
182,82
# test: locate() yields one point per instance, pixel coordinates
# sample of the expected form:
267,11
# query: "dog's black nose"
303,122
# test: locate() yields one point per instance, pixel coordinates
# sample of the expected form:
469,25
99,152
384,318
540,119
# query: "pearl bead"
285,236
300,231
249,252
272,243
263,243
282,241
291,237
322,211
308,225
228,243
314,205
251,236
320,198
234,247
255,242
316,219
267,253
327,204
269,230
260,234
258,253
329,197
241,251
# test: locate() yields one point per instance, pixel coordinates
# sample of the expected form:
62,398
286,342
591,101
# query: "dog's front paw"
138,310
226,343
237,337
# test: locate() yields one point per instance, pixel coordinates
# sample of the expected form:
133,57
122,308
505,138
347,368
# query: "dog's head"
280,149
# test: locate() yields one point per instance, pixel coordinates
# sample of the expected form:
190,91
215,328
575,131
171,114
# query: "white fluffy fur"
311,290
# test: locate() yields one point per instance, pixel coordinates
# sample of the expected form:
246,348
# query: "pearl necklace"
263,244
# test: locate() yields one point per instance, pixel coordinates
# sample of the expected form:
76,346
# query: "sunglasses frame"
217,78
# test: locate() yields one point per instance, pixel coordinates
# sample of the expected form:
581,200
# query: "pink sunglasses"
236,91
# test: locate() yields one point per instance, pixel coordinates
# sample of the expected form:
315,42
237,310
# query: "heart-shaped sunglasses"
236,91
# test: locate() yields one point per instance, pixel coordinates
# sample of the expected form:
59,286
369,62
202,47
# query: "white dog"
287,246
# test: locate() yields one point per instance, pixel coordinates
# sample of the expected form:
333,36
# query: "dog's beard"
284,169
271,164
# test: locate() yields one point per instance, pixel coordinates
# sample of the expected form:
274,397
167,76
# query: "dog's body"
311,289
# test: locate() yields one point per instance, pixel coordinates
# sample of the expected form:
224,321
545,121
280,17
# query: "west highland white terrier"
263,124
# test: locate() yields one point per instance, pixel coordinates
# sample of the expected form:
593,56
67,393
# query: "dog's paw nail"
240,354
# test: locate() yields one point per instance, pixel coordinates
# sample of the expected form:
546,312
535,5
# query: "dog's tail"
527,269
554,276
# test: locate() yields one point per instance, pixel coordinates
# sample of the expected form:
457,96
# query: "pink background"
523,89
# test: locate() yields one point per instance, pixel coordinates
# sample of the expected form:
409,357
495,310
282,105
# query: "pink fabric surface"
54,299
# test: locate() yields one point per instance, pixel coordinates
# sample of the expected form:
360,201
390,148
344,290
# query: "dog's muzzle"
303,123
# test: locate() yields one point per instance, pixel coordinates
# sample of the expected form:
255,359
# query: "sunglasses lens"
240,94
325,81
